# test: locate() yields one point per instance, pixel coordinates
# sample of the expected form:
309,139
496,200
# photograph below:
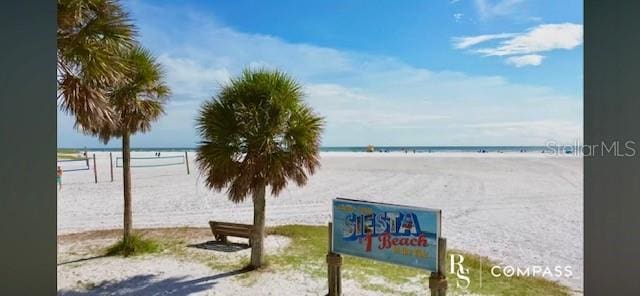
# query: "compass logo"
463,277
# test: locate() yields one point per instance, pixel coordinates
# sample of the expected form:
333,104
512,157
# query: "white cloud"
539,39
458,16
525,60
542,38
541,130
364,98
190,79
488,9
464,42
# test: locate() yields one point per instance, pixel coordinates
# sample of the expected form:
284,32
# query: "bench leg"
221,238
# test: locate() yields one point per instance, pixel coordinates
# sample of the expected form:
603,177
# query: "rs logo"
458,269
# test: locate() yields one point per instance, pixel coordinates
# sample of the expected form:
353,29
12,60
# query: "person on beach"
59,177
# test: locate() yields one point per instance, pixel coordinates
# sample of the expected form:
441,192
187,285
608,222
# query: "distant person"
59,177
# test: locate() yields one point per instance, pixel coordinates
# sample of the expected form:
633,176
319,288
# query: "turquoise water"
408,149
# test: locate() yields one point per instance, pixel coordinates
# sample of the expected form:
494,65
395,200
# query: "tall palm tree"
135,104
258,132
91,36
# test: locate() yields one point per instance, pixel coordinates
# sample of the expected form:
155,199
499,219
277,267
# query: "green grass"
135,245
309,247
67,150
68,154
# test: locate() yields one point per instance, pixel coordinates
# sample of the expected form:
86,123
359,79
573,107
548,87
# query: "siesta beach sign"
391,233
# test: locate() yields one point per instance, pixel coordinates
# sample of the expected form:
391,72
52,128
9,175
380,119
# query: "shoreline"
145,153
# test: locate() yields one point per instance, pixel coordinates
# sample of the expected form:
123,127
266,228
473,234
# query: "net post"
95,170
111,165
186,160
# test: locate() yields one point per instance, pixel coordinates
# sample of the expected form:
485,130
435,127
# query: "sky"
396,73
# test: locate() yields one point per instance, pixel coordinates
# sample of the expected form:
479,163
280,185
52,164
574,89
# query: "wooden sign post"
438,280
334,263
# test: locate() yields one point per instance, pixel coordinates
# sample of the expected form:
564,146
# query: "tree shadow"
82,259
146,285
220,246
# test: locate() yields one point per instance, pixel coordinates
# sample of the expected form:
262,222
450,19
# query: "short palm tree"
91,36
135,105
258,133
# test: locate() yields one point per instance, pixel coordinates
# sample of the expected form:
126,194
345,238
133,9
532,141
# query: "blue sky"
438,72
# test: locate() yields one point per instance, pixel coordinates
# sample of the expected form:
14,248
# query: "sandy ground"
83,271
521,209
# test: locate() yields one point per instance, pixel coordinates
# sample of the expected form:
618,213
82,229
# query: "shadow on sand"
147,285
82,259
220,246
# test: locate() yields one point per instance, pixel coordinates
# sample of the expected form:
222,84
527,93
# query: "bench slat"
231,229
232,233
216,223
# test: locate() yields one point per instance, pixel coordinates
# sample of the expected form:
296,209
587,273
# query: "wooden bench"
221,230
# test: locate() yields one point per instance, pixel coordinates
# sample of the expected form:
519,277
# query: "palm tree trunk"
257,240
126,177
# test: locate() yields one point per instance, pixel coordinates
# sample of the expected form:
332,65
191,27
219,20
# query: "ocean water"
408,149
434,149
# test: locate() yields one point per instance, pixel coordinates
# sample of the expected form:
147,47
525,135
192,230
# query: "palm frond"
138,101
258,131
91,37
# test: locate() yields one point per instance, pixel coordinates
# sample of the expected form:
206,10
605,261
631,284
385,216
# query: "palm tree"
135,104
257,132
91,36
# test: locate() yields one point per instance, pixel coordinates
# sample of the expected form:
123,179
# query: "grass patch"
135,245
68,150
66,156
309,247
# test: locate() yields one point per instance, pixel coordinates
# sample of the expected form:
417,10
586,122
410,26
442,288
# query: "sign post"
402,235
438,279
334,262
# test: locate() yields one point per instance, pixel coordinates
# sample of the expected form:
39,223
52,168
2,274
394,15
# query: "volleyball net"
70,165
152,161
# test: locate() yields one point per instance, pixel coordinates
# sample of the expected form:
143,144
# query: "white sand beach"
521,209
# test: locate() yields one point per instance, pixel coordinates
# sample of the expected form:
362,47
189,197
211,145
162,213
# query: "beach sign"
396,234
